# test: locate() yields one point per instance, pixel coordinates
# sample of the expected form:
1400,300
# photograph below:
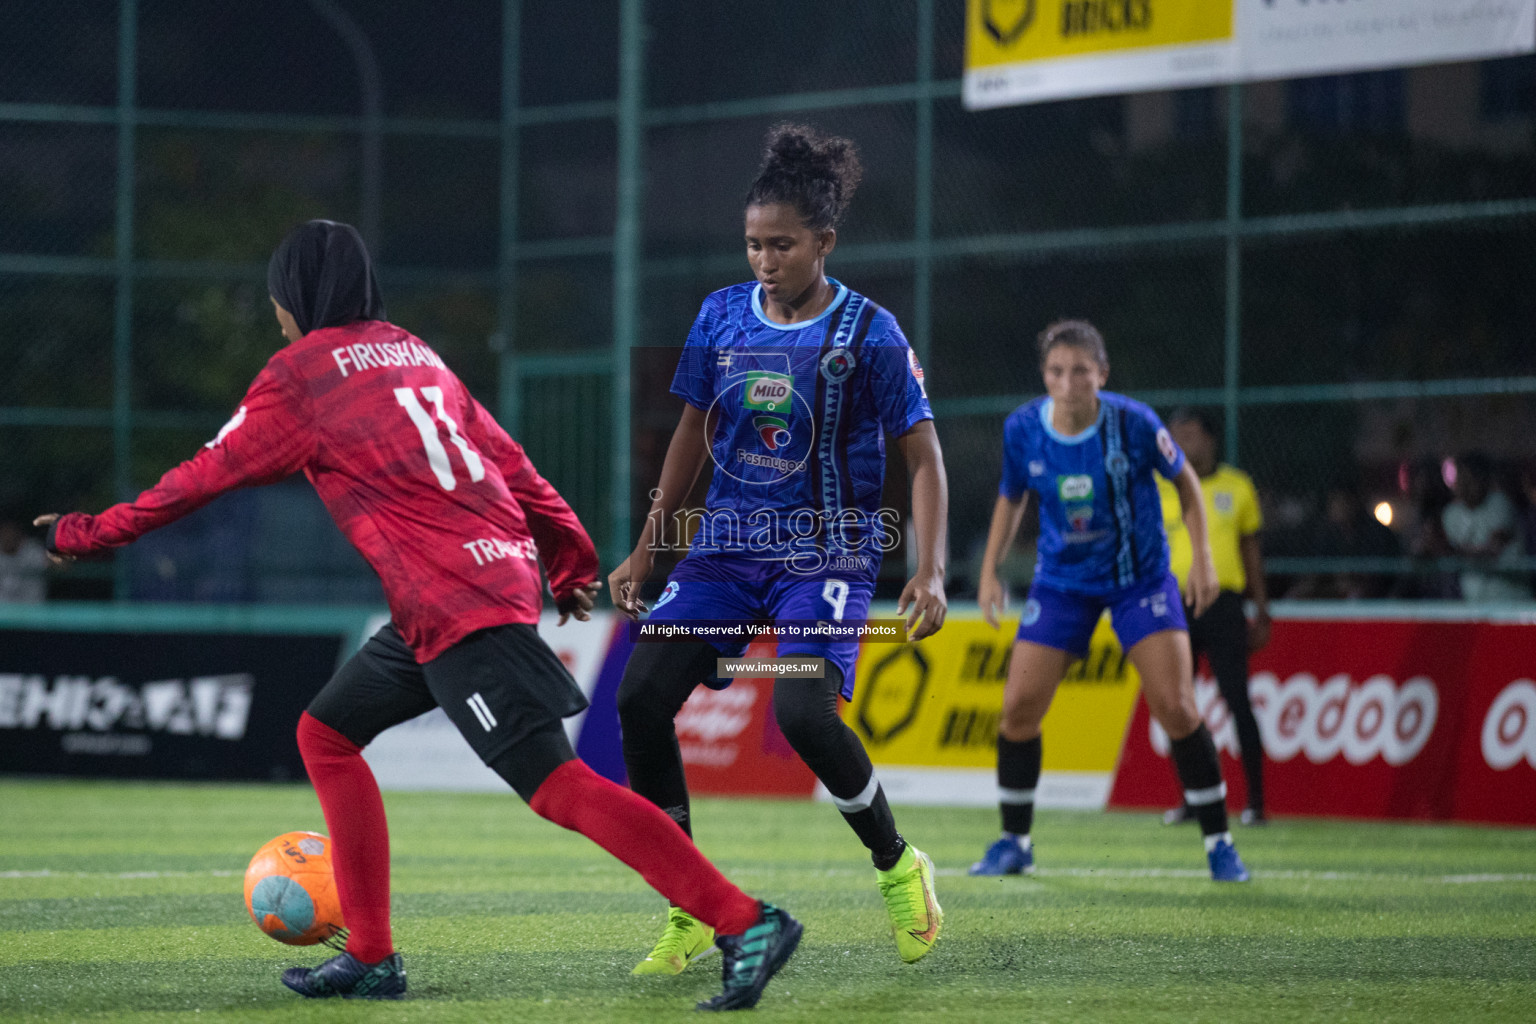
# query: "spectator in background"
1481,524
1428,496
23,561
1223,632
1349,530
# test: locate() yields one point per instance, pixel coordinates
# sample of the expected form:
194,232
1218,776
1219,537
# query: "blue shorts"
710,589
1055,618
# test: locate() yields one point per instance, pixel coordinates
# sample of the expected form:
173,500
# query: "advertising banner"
1028,51
928,715
1296,38
926,712
1372,719
158,705
428,753
731,742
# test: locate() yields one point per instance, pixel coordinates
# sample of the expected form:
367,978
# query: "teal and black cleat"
1226,865
1007,856
753,957
350,978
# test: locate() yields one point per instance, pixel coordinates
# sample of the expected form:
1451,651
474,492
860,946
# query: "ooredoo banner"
1372,719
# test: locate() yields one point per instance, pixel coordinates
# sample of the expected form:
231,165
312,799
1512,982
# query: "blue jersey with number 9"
799,441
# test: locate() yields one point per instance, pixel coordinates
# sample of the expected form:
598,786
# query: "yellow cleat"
685,940
916,916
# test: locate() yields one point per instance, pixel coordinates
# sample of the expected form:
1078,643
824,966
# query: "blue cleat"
1226,865
1006,857
350,978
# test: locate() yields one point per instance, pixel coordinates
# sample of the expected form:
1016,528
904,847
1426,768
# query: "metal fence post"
1234,288
626,258
122,312
370,82
508,396
922,215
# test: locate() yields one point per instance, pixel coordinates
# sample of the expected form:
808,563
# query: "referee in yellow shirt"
1223,633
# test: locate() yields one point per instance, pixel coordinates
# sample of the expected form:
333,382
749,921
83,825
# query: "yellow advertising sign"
1030,51
936,703
1009,31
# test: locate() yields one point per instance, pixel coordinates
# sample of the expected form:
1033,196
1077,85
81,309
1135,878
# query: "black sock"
806,712
657,681
1200,772
1018,773
870,817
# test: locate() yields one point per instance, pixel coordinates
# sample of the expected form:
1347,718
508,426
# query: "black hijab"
321,274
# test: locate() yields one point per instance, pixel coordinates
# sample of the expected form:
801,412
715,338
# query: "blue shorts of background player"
720,588
1066,621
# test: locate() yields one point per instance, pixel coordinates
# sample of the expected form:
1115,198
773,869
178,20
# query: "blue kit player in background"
1091,459
790,384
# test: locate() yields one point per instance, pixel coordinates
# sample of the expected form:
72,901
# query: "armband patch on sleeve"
917,371
1166,446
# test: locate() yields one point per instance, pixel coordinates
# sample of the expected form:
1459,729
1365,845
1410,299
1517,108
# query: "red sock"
354,815
641,835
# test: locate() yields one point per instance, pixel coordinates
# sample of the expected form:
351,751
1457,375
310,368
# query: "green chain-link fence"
1337,266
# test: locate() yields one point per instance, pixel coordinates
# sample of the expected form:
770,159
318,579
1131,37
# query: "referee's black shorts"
498,686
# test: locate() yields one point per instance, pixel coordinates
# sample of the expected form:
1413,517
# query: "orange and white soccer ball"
290,890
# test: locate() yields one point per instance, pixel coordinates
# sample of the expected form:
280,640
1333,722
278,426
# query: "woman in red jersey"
454,518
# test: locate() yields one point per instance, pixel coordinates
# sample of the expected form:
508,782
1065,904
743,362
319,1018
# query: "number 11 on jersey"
437,455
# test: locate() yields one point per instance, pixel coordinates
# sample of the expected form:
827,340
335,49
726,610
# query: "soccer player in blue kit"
790,383
1088,456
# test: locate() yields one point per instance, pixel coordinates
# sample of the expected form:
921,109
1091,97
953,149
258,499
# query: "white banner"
1027,51
1295,38
428,753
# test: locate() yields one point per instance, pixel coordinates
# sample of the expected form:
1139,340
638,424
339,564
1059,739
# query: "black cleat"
350,978
753,957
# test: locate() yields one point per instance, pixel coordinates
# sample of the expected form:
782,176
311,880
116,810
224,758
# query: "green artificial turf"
122,902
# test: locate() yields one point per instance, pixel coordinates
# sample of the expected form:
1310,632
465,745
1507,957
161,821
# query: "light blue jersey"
1101,521
799,446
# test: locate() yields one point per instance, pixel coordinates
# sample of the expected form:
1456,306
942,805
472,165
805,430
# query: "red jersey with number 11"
425,484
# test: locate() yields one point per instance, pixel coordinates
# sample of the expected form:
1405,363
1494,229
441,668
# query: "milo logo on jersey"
1075,489
1076,493
767,391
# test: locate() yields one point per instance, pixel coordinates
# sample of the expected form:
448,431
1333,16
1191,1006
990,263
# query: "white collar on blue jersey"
1048,408
757,307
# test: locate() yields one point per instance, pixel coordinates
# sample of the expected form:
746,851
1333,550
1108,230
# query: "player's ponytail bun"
816,174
